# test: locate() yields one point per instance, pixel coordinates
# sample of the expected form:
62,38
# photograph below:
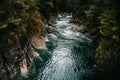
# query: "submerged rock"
51,29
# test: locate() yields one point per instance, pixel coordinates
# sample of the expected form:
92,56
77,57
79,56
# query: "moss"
115,28
116,37
105,33
104,22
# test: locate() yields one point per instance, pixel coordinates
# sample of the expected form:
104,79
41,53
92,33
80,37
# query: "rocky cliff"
101,19
20,28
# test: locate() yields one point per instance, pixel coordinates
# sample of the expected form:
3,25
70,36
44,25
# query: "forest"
83,39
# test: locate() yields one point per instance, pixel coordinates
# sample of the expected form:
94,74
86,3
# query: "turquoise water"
71,54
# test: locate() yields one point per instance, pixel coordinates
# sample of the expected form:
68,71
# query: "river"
72,54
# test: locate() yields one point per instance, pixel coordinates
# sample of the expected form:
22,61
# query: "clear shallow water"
71,54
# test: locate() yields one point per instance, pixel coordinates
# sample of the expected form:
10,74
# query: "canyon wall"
21,28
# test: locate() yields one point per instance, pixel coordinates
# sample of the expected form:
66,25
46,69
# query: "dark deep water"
72,54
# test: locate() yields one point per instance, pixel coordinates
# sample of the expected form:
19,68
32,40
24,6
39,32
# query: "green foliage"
46,8
102,18
115,28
